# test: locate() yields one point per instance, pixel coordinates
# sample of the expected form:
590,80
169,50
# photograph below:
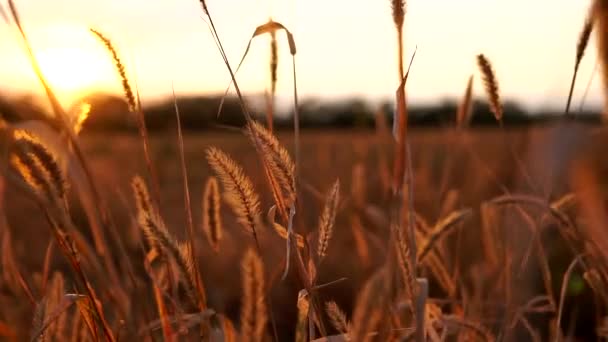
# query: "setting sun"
72,61
73,71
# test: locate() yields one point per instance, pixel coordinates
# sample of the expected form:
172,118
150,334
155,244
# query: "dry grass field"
455,172
249,234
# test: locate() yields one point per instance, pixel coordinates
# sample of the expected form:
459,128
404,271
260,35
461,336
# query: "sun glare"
73,62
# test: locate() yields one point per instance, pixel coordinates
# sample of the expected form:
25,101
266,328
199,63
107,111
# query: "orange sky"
345,47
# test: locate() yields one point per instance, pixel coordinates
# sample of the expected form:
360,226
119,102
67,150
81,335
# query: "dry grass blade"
562,295
369,309
190,247
531,200
212,220
240,193
490,83
600,14
269,27
337,317
441,229
328,219
466,105
253,307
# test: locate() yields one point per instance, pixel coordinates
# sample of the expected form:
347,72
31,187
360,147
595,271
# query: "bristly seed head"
398,7
491,86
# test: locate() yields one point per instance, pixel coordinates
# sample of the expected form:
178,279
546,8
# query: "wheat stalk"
240,193
120,68
328,218
466,105
581,46
253,307
212,220
490,84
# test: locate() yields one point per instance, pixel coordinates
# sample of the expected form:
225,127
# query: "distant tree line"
109,112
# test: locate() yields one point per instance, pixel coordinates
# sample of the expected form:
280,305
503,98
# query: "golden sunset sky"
345,47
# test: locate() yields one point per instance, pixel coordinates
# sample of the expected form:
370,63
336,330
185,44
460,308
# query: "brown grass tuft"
212,220
490,84
239,191
328,218
253,307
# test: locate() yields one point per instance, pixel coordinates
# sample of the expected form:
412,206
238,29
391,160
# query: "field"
455,171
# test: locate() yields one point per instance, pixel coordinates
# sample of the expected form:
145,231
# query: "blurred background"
345,62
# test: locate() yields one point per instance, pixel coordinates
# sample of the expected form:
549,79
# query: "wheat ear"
337,317
275,155
328,218
120,68
490,84
38,167
212,220
159,237
238,188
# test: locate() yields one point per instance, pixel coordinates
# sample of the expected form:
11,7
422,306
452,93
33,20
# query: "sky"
346,48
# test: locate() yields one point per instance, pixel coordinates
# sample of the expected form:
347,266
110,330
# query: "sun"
74,63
